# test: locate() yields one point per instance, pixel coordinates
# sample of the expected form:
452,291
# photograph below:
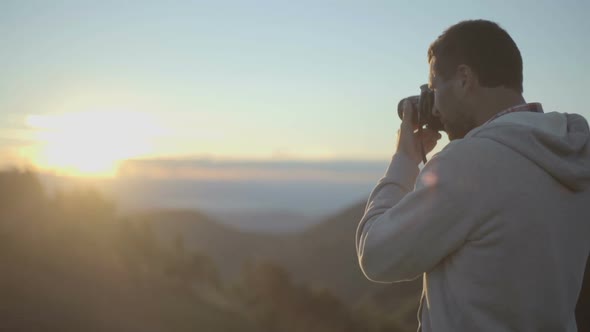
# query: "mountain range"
322,255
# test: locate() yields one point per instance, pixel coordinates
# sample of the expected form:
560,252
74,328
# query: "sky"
85,84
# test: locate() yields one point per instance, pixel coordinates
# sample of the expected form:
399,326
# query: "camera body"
422,106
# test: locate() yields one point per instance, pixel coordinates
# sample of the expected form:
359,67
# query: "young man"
498,222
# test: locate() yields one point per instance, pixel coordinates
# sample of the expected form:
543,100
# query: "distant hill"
266,221
228,246
322,255
328,258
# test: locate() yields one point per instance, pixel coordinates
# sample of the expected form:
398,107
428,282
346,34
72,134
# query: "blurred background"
203,165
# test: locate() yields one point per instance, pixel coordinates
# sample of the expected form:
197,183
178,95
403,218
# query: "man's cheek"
438,100
439,105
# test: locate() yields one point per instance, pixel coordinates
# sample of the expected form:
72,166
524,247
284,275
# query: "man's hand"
408,140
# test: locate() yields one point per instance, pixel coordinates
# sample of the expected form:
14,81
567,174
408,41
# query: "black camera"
422,106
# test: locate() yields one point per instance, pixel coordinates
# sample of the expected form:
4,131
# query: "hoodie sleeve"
406,232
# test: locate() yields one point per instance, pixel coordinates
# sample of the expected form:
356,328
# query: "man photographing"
498,222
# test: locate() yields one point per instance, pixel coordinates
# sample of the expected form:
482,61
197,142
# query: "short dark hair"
485,47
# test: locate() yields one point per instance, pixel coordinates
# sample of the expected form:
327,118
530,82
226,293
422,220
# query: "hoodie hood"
559,143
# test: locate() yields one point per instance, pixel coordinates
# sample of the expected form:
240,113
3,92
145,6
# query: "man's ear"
467,78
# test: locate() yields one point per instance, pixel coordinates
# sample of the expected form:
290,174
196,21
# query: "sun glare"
90,143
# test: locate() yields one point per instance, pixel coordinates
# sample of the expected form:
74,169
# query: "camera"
422,108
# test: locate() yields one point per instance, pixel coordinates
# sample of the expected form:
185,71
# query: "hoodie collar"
527,107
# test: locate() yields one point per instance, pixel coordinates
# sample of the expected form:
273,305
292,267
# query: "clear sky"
109,80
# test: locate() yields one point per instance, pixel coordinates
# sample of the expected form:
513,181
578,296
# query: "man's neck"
497,104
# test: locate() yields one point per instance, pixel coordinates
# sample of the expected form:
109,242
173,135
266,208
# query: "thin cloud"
344,171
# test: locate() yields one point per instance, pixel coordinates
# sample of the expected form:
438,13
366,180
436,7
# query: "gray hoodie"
498,224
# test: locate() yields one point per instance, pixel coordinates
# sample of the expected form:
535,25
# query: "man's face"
451,108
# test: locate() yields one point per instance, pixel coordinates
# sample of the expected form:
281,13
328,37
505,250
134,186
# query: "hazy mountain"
266,221
328,258
322,255
228,246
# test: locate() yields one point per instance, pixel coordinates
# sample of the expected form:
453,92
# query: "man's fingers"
431,133
428,134
409,141
429,139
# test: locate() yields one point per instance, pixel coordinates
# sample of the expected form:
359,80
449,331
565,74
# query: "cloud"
343,171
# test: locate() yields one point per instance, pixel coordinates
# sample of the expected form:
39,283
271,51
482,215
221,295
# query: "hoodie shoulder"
557,143
470,157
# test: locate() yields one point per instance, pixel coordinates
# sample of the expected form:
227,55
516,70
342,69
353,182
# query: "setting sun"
90,143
